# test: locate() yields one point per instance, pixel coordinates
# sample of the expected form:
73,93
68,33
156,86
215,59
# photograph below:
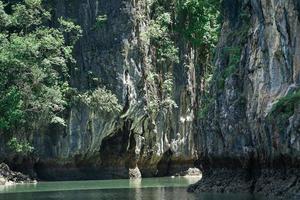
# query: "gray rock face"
247,130
116,56
241,123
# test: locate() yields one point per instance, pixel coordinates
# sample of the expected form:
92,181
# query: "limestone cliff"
118,57
245,136
249,140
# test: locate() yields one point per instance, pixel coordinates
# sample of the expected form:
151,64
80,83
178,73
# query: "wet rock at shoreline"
191,172
273,184
8,177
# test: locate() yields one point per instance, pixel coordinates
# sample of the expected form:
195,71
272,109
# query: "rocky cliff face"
249,134
118,57
253,123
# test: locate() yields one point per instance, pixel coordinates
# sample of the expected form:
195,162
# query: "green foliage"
160,33
34,62
68,27
207,103
58,120
101,100
4,17
164,101
167,91
287,104
161,37
198,21
10,108
19,147
284,109
28,15
167,85
234,57
241,32
233,53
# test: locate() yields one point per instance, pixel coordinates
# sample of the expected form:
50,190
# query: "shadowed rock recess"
250,139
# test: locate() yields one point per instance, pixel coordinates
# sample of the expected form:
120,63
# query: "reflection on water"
137,187
145,189
101,184
15,188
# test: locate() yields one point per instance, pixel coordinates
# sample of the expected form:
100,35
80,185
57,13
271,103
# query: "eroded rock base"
273,184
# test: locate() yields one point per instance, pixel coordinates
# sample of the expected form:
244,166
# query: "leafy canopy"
101,100
198,21
34,62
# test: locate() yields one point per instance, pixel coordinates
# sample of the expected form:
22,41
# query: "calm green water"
145,189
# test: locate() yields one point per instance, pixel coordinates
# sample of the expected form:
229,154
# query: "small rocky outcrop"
134,173
9,177
190,172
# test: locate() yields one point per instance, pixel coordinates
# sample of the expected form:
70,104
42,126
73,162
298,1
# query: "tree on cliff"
34,72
